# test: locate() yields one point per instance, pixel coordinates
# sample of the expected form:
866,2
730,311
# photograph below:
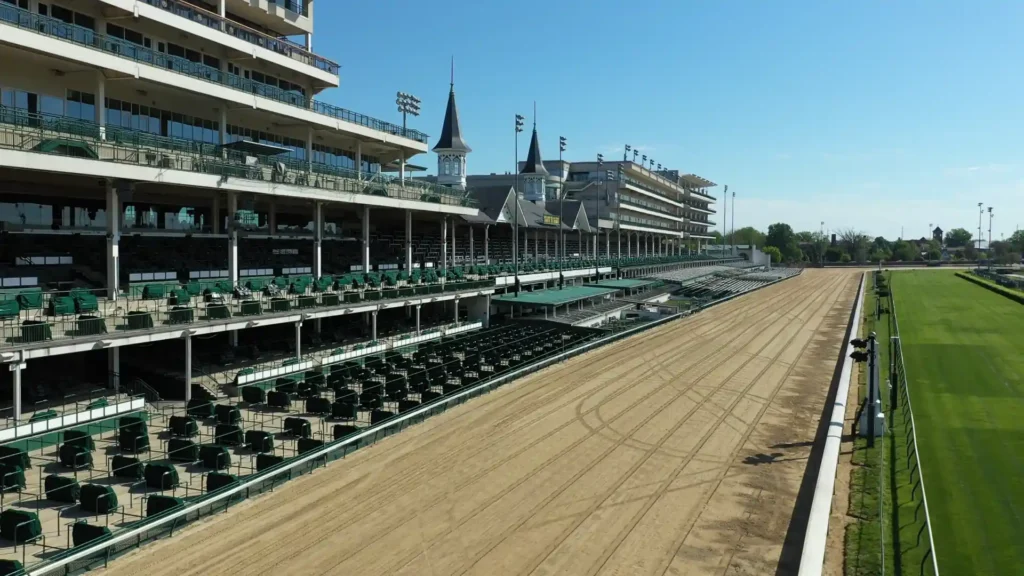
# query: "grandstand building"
172,187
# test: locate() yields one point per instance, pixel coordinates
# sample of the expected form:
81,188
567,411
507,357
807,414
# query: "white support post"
17,368
374,320
456,306
222,8
101,108
401,170
318,238
608,245
188,366
487,243
366,239
309,41
536,244
472,251
113,212
233,237
359,160
444,247
417,319
408,242
298,340
618,244
223,123
546,240
309,143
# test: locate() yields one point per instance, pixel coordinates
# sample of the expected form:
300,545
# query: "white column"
456,307
113,213
101,103
222,8
215,213
233,238
487,243
608,245
223,123
374,323
618,244
401,170
366,239
114,367
417,319
444,246
188,366
309,41
318,238
309,144
472,251
359,160
298,340
536,244
17,368
408,241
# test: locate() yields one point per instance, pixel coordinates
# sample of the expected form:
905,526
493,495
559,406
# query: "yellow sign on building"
551,220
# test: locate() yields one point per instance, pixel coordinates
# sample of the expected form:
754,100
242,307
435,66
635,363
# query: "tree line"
852,245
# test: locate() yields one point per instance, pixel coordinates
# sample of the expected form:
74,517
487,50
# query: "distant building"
937,234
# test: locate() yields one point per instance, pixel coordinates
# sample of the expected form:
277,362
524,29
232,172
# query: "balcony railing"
69,137
645,187
86,37
645,205
633,220
272,43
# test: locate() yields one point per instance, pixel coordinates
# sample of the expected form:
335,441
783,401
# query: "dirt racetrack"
677,451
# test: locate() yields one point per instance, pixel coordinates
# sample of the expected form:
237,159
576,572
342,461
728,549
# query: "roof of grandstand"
625,283
554,297
498,202
699,181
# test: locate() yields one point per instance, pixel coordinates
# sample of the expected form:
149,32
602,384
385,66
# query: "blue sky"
869,114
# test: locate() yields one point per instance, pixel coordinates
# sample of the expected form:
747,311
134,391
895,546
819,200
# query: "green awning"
66,147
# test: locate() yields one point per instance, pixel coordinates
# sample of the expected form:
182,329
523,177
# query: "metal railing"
900,380
273,43
30,132
647,205
86,37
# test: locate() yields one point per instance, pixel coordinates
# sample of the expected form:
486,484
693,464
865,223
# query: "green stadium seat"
98,499
161,476
61,489
158,504
182,450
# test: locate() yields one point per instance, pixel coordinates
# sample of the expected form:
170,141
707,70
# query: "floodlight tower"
980,212
990,226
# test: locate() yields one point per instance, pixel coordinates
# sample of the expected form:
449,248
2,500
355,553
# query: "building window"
457,163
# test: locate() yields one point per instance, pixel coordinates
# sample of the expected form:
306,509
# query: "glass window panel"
52,105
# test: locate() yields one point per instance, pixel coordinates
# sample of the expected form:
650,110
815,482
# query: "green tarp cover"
217,480
153,291
11,477
85,302
14,457
161,476
61,489
158,504
182,450
9,308
82,533
126,467
72,456
61,306
79,438
18,526
98,499
215,457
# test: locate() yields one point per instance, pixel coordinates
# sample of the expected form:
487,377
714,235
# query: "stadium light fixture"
625,155
407,105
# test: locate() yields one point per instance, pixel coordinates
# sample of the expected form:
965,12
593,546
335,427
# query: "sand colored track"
677,451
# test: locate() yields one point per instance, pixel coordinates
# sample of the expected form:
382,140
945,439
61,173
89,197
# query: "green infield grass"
964,351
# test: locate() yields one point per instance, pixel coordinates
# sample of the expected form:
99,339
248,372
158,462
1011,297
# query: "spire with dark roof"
534,163
451,134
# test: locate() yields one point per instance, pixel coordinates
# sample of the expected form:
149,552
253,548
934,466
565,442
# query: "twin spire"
451,132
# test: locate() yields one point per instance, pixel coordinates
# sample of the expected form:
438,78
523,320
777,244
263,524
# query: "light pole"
733,225
725,218
561,199
625,155
635,152
990,227
980,212
407,104
597,209
515,234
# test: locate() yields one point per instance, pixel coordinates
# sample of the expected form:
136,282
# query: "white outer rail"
812,557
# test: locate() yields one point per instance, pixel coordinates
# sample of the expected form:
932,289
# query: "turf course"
964,352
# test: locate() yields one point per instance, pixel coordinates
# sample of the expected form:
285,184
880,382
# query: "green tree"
781,236
835,254
881,244
958,237
970,252
844,258
934,254
855,243
904,251
746,235
774,253
1017,241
